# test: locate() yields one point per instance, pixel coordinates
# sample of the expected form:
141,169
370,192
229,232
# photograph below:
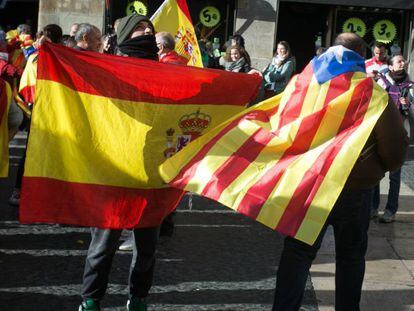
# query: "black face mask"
140,47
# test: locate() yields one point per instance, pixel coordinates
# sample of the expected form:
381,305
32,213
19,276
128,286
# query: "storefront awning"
389,4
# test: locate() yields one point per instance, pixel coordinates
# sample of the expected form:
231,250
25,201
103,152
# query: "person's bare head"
165,42
73,29
352,41
380,51
88,37
116,23
23,29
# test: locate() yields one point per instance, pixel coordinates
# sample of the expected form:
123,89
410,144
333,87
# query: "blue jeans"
350,220
393,193
101,251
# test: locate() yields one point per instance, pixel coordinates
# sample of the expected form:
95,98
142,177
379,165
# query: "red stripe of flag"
182,4
249,151
293,107
257,195
108,206
138,79
237,163
305,193
189,170
3,99
28,93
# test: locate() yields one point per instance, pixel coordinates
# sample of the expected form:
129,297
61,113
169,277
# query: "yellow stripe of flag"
112,125
336,177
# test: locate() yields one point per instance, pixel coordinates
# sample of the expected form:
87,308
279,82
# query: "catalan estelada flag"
102,125
5,97
174,17
285,161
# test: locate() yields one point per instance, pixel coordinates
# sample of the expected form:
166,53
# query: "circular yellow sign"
384,31
136,7
355,25
210,16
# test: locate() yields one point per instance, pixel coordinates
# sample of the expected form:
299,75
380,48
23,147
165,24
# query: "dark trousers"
99,260
350,220
393,193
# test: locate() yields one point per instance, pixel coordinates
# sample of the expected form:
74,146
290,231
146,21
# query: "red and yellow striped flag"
102,125
174,17
28,80
285,161
5,97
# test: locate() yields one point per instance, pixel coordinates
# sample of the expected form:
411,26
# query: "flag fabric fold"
27,84
5,97
285,161
102,125
174,17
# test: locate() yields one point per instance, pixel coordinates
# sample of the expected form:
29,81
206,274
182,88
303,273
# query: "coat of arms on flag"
97,136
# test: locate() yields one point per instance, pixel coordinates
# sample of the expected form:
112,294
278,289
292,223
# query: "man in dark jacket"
385,150
136,38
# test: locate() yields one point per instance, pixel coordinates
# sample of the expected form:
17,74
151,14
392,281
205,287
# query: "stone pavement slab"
389,276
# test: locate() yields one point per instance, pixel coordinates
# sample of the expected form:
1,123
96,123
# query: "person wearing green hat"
135,38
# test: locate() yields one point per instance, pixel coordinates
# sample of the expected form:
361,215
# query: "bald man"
385,150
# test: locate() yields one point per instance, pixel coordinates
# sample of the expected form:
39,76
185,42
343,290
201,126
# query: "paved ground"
217,260
389,277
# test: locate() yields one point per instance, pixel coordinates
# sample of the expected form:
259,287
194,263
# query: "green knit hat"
127,24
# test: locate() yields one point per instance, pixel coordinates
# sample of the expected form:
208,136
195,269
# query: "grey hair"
23,28
84,29
166,40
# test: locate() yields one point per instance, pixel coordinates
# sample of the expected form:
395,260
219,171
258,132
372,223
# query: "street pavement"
216,260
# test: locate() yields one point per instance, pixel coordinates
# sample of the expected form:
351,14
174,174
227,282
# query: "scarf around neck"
140,47
237,66
398,76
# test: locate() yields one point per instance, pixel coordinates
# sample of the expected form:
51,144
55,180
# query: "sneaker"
127,245
136,304
15,197
89,305
387,217
374,213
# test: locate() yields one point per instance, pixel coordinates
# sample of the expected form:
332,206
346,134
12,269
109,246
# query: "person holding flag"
135,38
174,17
10,119
309,158
385,150
166,46
50,33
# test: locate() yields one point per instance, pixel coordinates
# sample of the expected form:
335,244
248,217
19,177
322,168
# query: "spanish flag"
5,98
285,161
174,17
102,125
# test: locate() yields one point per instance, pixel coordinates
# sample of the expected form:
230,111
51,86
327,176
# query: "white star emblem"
338,52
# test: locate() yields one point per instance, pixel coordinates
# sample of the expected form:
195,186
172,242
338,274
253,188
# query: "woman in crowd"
278,73
235,60
400,89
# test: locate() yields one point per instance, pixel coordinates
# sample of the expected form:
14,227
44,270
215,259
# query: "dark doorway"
304,26
222,31
19,12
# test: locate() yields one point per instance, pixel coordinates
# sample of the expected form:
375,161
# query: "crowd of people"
136,37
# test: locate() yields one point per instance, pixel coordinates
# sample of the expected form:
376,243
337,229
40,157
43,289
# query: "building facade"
305,24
